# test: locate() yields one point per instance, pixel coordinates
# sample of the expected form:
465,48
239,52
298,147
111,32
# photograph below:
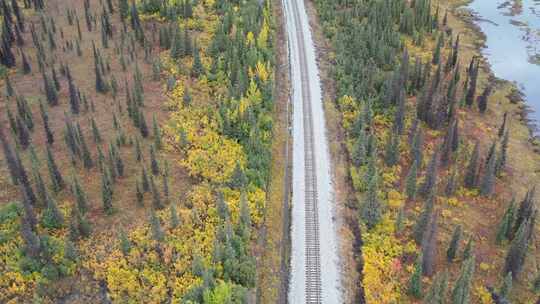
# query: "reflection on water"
513,43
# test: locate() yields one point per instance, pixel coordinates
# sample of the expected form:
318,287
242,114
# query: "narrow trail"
313,233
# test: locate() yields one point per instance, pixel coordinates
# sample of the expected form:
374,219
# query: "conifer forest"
246,151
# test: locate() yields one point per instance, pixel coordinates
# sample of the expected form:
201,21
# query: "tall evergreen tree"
106,192
410,183
462,288
483,99
505,229
157,133
515,258
52,217
392,150
472,168
153,161
156,197
50,90
155,224
371,209
430,183
48,132
501,161
80,196
506,285
473,76
175,220
415,282
10,158
23,135
525,210
423,220
54,174
437,292
454,244
487,184
429,246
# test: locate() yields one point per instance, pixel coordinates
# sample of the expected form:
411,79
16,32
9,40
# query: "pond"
512,30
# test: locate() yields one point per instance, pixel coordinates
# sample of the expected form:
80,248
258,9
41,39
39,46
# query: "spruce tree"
139,195
505,229
9,87
9,157
142,124
487,184
41,188
138,150
175,220
400,220
451,183
54,174
454,244
502,128
125,243
95,131
501,161
153,161
52,218
32,245
515,258
26,67
74,100
506,285
437,53
26,188
410,183
447,146
423,220
23,135
429,246
415,282
106,192
468,251
472,168
392,150
371,209
156,197
430,183
417,147
437,292
483,99
80,196
525,210
157,133
48,132
123,7
78,225
473,74
155,224
50,90
86,155
186,98
462,288
197,69
144,180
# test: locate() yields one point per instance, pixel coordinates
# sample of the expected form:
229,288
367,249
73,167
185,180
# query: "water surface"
512,29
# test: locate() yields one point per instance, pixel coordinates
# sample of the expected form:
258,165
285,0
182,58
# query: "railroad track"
312,242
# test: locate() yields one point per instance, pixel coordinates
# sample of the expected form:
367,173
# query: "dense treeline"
399,108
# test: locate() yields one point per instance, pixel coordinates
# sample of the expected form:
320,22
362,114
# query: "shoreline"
461,11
